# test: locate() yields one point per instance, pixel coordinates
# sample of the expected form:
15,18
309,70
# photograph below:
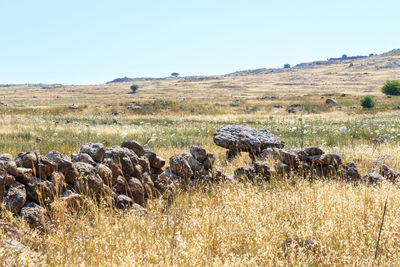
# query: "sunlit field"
240,224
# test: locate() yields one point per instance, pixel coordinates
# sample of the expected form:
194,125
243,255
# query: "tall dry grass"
230,225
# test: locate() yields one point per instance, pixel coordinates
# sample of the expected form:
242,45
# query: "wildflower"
123,135
78,132
294,129
343,129
291,122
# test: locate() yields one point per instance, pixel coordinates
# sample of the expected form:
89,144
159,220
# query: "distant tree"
344,56
134,88
286,66
367,102
174,74
371,55
391,88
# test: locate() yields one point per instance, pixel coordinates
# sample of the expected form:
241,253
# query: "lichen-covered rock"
194,164
9,166
26,159
282,168
40,191
95,150
72,200
44,166
120,186
349,171
198,153
24,175
134,146
83,157
15,197
149,188
64,165
35,215
180,166
165,182
89,182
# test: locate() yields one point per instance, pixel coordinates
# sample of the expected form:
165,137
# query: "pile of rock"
311,162
191,169
126,175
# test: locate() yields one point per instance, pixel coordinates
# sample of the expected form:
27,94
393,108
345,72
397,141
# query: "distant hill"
306,65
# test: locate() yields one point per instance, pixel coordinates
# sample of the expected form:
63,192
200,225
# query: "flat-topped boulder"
239,138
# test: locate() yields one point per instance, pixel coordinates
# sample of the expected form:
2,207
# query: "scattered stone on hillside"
15,197
237,138
73,106
116,112
330,101
380,139
95,150
389,173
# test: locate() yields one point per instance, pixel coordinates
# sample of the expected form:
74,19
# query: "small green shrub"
308,107
286,66
134,88
391,88
367,102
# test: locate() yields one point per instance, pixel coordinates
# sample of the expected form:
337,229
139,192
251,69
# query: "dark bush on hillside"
286,66
134,88
391,88
367,102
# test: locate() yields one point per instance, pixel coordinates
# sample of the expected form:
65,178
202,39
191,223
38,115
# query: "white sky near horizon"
89,42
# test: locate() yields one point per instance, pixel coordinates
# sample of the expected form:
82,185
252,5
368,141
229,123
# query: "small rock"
15,198
135,146
330,101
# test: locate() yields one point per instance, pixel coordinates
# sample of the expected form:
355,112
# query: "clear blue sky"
88,42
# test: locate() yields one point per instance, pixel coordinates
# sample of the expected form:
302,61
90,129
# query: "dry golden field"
241,224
